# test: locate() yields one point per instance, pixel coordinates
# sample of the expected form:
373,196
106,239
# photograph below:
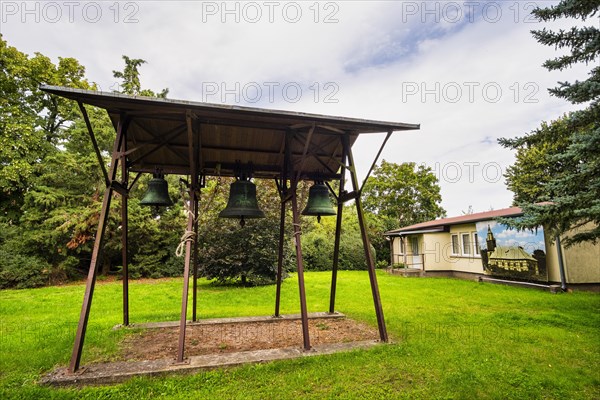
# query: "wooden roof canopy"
226,136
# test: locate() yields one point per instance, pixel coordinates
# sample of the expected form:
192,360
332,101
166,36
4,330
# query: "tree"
33,159
556,177
131,79
527,178
31,122
51,185
399,195
404,193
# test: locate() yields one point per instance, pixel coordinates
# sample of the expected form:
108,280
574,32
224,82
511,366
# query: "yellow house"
465,247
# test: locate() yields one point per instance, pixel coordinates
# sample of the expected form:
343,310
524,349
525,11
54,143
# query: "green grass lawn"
452,339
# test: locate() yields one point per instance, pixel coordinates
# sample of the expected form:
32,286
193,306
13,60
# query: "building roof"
510,253
226,135
443,224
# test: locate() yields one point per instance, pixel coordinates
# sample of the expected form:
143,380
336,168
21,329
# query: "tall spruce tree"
556,177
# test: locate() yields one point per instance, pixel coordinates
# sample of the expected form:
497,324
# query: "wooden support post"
283,193
124,231
198,186
367,246
195,263
280,257
300,264
338,232
91,279
186,283
189,241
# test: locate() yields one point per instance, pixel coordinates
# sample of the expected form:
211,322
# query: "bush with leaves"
318,243
19,268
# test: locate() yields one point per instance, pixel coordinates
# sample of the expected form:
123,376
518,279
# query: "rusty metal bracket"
88,124
374,161
347,196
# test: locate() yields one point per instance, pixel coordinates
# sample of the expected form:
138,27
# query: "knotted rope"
188,236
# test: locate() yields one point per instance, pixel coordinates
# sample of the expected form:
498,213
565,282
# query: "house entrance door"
417,261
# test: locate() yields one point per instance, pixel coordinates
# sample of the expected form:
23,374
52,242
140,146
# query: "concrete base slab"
115,372
107,373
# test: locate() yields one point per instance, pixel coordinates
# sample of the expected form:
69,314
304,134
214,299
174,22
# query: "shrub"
317,251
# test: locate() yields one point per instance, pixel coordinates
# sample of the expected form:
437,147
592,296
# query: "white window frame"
452,252
462,245
476,247
401,246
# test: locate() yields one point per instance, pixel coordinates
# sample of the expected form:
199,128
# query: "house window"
401,244
414,243
455,245
466,244
476,244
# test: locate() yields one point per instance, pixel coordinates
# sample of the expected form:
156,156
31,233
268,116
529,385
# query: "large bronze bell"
242,202
157,194
318,203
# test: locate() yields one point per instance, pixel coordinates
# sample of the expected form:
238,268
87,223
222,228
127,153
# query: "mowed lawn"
452,339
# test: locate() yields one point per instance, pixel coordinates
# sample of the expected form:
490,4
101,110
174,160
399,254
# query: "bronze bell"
242,202
318,203
157,194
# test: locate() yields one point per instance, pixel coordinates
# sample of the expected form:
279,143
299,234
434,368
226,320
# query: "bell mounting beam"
157,146
316,156
304,152
137,176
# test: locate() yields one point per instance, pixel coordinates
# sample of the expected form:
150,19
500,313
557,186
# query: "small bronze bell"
318,203
157,194
242,202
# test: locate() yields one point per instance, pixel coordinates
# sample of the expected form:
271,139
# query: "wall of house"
461,262
397,254
581,262
437,251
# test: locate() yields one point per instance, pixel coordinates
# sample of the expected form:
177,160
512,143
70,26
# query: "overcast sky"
468,72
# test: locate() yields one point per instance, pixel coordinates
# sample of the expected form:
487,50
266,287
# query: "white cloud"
376,54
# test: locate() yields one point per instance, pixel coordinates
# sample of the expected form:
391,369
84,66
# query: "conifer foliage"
556,177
